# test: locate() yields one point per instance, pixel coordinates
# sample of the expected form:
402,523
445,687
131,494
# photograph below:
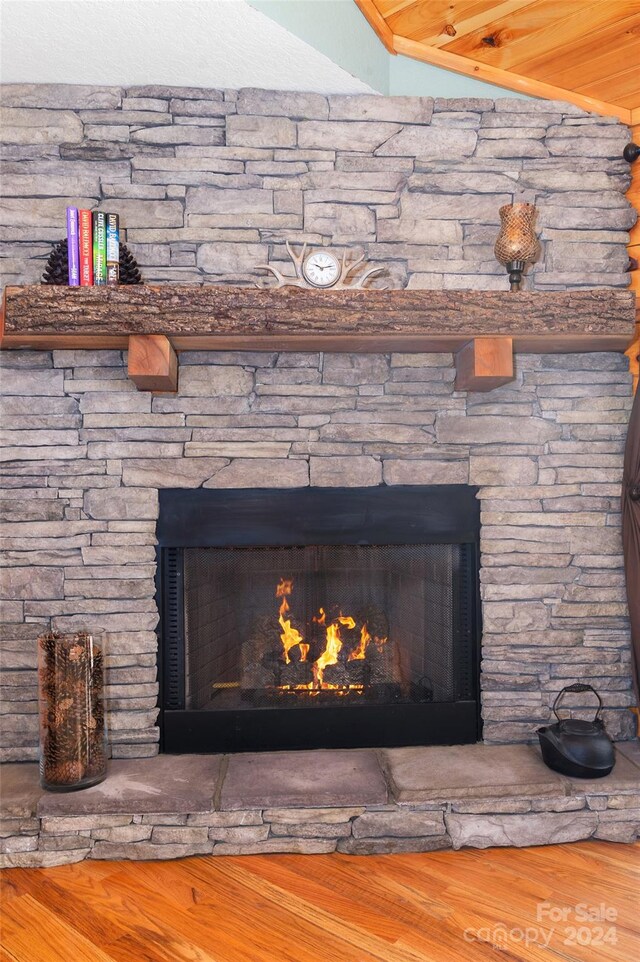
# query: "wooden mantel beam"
483,328
233,318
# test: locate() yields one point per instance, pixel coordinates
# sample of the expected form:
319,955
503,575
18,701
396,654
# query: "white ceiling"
200,43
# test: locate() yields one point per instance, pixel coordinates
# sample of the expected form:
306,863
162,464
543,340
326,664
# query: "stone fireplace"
210,184
544,456
318,618
83,474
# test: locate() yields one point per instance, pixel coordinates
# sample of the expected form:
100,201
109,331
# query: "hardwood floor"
441,907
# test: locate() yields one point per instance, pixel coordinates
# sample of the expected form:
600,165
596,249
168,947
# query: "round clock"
321,269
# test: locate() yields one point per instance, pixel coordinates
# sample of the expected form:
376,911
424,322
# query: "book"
73,251
85,243
113,249
99,248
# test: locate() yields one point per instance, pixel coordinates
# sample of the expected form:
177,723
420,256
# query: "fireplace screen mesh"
323,625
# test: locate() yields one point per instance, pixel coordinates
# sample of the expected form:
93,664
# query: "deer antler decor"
322,269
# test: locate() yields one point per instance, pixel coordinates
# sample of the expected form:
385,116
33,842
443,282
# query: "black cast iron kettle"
580,749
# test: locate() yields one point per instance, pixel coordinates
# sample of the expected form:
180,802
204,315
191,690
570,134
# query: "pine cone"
129,272
57,269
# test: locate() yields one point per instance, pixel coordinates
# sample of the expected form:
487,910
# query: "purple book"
73,248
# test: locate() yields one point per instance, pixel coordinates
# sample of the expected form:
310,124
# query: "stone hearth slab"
19,790
446,773
173,806
625,776
630,750
322,779
167,783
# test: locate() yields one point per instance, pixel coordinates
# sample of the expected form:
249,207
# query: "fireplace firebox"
313,617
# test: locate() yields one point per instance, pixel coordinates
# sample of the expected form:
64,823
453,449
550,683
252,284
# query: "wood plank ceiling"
546,48
584,51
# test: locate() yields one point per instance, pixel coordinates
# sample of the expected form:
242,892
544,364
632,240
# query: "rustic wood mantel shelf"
483,328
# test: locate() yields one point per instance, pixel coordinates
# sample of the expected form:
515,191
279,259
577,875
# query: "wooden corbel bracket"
484,364
153,363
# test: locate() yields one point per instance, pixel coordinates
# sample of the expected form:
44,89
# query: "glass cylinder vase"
73,747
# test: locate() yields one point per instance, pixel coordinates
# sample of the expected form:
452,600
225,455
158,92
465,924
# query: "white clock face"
321,269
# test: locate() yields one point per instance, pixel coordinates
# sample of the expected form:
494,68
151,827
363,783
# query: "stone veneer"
358,802
209,183
84,455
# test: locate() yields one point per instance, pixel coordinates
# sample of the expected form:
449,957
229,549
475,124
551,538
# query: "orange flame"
290,636
333,648
361,650
348,621
329,656
284,587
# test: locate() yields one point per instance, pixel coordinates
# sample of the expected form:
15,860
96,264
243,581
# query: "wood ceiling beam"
377,22
504,78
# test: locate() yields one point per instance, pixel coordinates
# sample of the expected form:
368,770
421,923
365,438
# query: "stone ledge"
458,772
173,806
321,779
162,784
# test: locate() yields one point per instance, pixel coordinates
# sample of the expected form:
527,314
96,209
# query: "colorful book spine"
73,255
99,248
113,249
85,241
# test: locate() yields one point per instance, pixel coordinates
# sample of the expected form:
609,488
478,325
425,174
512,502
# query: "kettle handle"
577,687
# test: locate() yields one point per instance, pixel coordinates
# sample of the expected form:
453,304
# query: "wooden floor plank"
6,956
32,933
96,910
232,921
436,907
337,892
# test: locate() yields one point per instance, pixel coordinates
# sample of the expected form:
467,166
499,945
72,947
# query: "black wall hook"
631,152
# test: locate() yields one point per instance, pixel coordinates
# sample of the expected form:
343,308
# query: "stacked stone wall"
210,183
84,454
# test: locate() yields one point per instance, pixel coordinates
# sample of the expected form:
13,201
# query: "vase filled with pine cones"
73,748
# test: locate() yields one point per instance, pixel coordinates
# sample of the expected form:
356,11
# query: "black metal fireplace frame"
403,514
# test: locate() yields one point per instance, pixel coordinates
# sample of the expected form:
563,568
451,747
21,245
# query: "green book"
99,248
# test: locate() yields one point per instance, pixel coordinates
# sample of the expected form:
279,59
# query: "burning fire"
291,637
361,650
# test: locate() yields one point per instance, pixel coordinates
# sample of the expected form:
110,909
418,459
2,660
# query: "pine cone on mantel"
57,269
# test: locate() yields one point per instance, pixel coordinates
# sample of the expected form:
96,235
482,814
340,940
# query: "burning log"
340,655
